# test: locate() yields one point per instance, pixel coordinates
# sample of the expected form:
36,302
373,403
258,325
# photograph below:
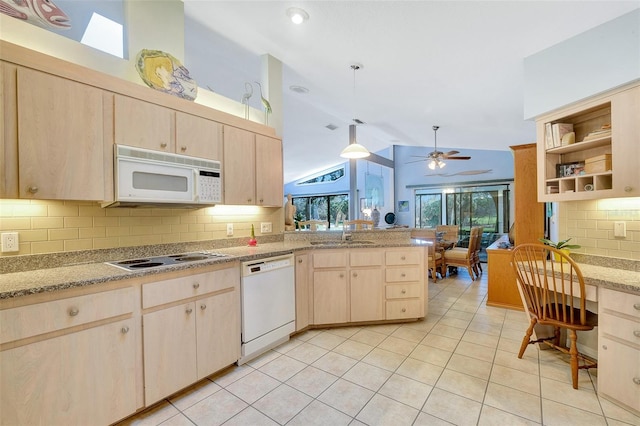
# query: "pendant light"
354,150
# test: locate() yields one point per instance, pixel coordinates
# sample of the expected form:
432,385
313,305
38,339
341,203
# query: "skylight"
104,34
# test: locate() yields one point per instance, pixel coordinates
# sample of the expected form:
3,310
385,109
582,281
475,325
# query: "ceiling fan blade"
419,156
454,152
416,161
457,158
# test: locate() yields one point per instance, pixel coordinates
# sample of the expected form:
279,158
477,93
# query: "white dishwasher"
268,304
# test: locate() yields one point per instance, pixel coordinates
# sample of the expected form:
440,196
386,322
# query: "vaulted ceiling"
457,64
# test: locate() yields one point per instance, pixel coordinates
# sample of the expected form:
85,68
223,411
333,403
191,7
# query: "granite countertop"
96,271
91,269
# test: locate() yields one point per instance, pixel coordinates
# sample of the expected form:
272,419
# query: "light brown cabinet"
158,128
359,285
302,291
618,109
191,329
252,169
503,289
404,283
75,373
58,149
619,351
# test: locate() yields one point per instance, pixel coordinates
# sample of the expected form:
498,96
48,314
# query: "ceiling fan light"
432,164
441,163
354,150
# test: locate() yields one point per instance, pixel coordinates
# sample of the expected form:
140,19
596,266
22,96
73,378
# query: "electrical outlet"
265,227
229,229
619,229
10,242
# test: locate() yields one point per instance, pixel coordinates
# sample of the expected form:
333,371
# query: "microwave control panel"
209,187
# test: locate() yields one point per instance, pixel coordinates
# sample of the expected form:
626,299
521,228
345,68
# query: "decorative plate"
163,72
390,218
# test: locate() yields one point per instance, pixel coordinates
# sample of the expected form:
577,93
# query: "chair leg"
473,276
527,338
573,351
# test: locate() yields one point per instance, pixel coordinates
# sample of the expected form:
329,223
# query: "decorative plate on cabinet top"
163,72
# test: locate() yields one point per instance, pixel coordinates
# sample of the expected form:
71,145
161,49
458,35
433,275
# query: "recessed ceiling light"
298,89
297,15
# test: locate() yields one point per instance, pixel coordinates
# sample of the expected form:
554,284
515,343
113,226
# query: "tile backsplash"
590,224
61,226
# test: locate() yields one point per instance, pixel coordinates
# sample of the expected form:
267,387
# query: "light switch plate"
229,229
10,242
619,229
265,227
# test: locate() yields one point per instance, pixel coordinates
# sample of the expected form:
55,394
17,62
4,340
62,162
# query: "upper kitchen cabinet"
59,144
602,162
143,124
158,128
269,180
198,137
252,168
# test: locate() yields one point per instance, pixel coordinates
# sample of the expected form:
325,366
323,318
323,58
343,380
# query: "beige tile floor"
458,366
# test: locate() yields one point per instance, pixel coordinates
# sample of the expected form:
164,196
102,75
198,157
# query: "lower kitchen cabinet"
169,351
619,347
302,291
192,333
404,283
85,376
330,297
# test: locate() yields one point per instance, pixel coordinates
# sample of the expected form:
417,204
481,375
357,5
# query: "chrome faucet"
346,235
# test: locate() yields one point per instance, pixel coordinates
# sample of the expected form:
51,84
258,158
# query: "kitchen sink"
341,243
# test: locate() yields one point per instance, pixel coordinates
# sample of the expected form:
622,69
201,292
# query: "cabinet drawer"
171,290
330,259
402,291
619,302
619,372
393,275
409,308
621,328
403,257
40,318
365,258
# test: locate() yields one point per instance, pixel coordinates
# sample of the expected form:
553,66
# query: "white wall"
597,60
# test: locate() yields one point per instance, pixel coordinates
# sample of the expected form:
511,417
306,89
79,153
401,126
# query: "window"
332,208
428,210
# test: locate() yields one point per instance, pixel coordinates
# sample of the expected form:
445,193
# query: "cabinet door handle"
636,333
203,306
249,200
196,285
403,258
33,189
628,189
163,145
605,347
299,260
341,275
188,310
636,380
404,309
125,329
403,291
183,148
355,274
403,275
73,311
636,306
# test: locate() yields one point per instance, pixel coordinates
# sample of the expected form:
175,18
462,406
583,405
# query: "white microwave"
151,178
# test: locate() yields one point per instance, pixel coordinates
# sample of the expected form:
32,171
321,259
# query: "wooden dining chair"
450,233
463,257
313,225
553,294
358,224
477,265
434,258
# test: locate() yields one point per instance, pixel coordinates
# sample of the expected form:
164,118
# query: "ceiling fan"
436,158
